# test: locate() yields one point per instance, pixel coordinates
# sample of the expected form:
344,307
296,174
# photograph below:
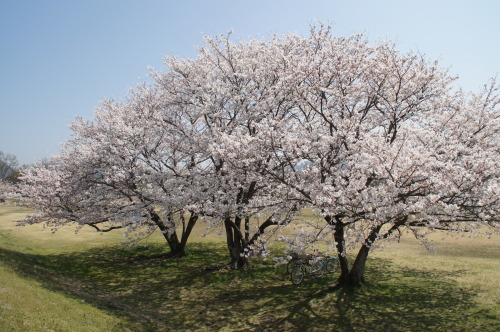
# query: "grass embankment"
84,282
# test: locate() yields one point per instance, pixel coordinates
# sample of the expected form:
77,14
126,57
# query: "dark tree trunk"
357,273
186,231
341,250
355,276
235,244
236,240
338,235
170,235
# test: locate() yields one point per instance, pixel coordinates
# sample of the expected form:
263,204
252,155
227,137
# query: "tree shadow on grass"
142,290
394,299
164,294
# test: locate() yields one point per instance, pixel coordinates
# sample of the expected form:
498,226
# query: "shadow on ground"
181,294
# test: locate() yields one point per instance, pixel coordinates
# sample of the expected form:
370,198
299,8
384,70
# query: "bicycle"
312,265
331,263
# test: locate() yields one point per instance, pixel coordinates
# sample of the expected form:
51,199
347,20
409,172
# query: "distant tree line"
9,167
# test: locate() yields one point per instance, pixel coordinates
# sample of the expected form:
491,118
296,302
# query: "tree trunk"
355,276
170,235
341,250
357,273
338,235
235,244
193,218
237,241
176,247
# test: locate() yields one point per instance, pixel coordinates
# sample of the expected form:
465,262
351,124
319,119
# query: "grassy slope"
64,281
27,301
26,305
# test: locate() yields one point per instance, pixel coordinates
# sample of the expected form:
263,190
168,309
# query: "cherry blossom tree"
228,93
383,143
375,141
123,170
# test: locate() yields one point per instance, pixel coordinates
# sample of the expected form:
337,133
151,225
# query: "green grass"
68,282
27,305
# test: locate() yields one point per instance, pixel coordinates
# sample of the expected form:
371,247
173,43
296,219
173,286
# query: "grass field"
87,282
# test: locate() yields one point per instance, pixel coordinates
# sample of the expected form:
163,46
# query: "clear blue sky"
60,57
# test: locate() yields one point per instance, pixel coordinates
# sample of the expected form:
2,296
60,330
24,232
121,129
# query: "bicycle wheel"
297,274
317,269
332,264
